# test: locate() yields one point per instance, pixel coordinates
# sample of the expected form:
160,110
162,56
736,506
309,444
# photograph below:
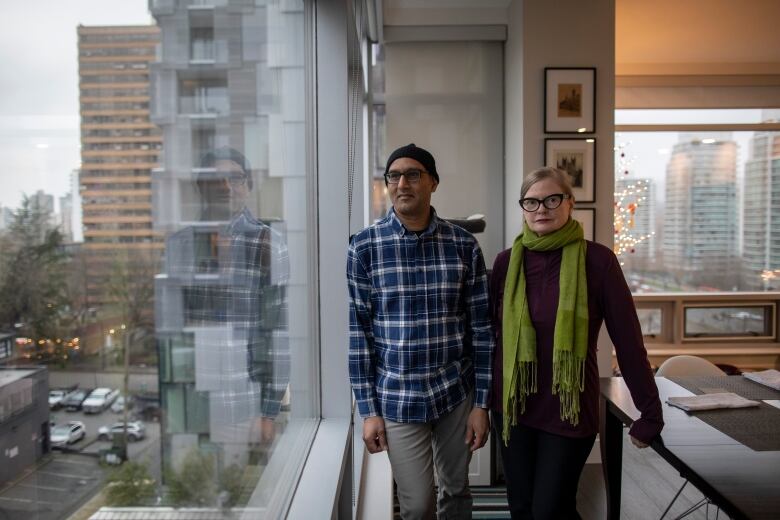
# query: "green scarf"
570,343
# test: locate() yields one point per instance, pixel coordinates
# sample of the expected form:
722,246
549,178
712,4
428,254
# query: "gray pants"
414,448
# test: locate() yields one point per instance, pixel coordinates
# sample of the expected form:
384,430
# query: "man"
420,342
239,312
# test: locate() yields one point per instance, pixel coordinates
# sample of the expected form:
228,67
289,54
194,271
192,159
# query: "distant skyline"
39,100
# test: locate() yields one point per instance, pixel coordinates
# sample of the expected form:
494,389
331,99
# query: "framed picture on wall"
586,217
569,100
577,157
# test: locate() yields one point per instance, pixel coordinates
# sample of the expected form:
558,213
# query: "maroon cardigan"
609,301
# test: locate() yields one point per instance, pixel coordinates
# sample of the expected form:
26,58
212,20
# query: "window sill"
319,488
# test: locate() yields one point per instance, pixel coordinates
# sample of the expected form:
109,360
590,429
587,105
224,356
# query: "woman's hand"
636,442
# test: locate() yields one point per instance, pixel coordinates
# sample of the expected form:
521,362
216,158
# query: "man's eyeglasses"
412,175
550,202
236,180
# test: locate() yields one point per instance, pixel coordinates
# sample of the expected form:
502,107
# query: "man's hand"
636,442
374,434
477,428
263,431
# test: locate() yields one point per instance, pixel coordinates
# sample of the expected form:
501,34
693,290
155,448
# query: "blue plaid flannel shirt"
419,327
248,297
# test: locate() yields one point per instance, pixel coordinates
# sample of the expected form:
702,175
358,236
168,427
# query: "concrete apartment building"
119,146
761,210
230,76
700,217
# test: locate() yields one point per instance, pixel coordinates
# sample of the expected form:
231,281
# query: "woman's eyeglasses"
531,204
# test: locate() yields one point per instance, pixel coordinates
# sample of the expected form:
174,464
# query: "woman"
549,295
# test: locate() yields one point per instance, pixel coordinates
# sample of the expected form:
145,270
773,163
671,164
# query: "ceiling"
652,37
697,37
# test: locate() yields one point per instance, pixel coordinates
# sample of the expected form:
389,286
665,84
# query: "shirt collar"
399,228
242,219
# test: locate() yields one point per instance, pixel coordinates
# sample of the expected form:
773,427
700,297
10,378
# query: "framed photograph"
569,100
586,217
577,157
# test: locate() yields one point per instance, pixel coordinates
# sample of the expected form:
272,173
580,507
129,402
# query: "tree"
78,311
130,291
32,277
193,484
130,485
231,481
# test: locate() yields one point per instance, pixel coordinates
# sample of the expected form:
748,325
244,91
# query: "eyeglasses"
236,180
550,202
412,175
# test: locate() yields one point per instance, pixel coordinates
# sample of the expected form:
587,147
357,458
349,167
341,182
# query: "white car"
99,400
119,404
55,398
135,431
68,433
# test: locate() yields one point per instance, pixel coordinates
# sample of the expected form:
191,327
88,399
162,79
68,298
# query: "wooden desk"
742,482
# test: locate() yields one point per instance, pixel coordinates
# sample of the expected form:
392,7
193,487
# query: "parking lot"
66,479
92,422
54,489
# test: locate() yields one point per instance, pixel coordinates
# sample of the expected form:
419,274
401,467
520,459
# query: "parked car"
74,400
56,395
147,407
68,433
55,398
136,431
99,400
119,404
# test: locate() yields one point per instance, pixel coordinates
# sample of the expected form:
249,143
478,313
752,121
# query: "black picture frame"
577,157
569,100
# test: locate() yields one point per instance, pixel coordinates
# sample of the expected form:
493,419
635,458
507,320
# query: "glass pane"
173,404
698,211
650,321
155,221
728,321
687,116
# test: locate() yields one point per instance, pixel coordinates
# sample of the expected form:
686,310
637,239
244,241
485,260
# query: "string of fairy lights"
627,202
768,275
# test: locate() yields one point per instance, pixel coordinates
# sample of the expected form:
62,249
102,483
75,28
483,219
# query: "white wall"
564,33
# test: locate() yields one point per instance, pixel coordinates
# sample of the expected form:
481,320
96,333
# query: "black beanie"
420,155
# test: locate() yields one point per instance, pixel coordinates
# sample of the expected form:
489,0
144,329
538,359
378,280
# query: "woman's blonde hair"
556,174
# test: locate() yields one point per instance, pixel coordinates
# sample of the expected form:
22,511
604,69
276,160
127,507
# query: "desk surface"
748,480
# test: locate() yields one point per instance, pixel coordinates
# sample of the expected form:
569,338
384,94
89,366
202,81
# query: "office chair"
681,366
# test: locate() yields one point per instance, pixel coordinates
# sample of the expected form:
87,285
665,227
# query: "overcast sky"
39,121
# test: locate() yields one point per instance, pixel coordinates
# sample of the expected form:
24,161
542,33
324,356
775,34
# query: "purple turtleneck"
609,301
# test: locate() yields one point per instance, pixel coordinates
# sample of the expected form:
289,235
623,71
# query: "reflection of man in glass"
244,358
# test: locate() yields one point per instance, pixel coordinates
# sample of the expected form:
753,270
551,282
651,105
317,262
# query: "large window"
156,228
697,197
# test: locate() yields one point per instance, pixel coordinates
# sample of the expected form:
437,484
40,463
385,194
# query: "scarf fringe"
517,396
568,383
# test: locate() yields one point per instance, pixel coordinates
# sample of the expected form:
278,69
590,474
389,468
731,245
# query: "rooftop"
10,374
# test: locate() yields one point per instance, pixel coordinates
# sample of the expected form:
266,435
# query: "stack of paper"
770,378
695,403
